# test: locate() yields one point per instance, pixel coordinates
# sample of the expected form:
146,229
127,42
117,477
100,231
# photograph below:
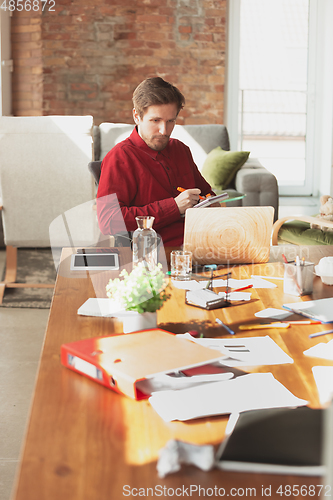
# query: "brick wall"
87,57
27,78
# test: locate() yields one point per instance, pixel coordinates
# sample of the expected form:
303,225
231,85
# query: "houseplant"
142,291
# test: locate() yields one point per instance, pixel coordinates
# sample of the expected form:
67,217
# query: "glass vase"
145,243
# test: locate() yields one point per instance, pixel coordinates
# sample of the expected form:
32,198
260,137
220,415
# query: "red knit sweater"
145,183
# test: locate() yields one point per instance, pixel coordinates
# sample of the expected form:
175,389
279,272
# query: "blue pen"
318,334
225,326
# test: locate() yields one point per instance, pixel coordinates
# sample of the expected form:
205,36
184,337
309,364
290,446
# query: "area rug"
33,266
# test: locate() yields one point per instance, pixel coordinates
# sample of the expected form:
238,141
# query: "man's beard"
156,142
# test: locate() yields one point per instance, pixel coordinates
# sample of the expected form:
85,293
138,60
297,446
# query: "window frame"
319,134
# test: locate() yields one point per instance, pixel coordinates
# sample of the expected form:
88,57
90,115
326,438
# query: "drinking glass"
181,264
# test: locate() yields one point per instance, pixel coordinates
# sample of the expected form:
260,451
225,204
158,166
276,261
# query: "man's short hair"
155,91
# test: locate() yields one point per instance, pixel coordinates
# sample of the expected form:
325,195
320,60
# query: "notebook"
238,235
320,309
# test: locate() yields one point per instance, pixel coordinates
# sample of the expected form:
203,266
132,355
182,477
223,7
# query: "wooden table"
85,442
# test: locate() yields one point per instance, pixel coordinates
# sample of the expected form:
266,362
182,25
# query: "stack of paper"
321,309
248,351
246,392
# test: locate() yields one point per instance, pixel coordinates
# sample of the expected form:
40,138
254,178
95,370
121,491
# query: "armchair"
43,174
296,230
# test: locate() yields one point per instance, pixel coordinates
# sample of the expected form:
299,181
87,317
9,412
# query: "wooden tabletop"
85,442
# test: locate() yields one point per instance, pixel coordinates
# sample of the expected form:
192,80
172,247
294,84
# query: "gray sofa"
254,180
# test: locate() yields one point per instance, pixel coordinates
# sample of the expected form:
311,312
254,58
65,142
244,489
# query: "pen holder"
298,278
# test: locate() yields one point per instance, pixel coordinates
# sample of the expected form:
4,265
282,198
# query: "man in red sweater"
145,170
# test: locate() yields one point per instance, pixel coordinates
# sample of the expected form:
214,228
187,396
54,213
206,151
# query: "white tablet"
95,262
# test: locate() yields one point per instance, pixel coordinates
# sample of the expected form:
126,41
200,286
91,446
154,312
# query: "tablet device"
275,440
206,202
95,262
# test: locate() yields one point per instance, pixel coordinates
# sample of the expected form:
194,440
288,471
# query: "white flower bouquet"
141,290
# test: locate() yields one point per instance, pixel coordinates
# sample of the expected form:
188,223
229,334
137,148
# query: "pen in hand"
181,190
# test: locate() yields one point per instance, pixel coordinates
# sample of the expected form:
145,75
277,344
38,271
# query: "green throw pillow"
221,166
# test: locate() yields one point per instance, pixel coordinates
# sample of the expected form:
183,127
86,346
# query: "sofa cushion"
201,139
110,134
299,233
221,166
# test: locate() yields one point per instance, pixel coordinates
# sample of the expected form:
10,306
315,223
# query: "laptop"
224,235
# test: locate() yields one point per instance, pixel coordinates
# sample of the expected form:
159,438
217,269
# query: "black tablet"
275,440
95,261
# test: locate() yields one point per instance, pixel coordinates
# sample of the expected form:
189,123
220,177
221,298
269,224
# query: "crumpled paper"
177,452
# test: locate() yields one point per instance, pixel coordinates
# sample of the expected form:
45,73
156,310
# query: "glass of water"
181,264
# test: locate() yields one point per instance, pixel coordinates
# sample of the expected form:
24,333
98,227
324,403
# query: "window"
279,89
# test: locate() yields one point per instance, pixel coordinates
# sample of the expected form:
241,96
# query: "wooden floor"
21,337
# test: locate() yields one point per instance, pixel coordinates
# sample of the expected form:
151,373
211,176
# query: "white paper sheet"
256,282
236,295
164,382
248,351
175,453
247,392
219,282
267,277
273,313
189,284
234,283
323,376
104,307
100,307
321,350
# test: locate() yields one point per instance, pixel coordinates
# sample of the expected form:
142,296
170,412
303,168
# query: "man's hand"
187,199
